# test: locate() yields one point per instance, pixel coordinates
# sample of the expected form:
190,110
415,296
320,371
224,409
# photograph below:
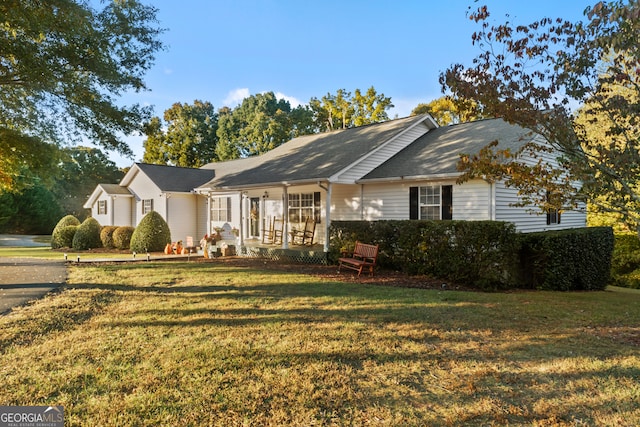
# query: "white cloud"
236,96
294,102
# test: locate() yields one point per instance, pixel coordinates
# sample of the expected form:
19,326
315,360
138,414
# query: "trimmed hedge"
106,236
151,235
122,237
88,235
567,260
484,254
57,240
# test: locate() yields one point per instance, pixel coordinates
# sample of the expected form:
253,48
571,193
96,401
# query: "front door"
254,217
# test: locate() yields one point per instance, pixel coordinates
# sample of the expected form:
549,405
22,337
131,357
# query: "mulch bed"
330,272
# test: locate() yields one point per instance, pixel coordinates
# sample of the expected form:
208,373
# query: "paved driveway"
25,279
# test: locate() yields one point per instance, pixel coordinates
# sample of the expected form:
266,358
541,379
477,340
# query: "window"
147,206
221,209
303,206
553,214
431,202
102,207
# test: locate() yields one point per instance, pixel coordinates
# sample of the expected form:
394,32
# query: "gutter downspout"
112,207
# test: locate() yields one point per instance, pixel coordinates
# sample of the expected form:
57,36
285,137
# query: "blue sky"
222,51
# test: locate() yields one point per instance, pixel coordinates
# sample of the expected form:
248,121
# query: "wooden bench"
364,256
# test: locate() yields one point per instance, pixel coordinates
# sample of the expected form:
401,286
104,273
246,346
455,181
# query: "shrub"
626,254
66,235
477,253
106,236
122,237
151,235
574,259
56,241
88,235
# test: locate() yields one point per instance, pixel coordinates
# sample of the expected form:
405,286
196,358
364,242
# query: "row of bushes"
625,264
151,234
485,254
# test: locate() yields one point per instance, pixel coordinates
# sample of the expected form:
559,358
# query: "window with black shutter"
432,202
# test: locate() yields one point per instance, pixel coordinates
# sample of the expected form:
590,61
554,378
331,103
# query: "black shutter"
558,217
316,207
548,218
413,202
447,202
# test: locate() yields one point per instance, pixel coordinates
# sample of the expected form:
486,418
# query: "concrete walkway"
26,279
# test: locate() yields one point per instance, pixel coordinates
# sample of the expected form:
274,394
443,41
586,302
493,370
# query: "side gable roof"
170,178
310,158
110,189
437,152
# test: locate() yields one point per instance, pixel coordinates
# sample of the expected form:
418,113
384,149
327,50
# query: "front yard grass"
204,344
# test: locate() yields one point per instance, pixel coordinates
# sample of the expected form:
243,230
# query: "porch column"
285,218
208,204
241,228
327,215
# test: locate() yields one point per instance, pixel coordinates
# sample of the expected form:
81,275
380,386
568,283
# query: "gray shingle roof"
308,158
175,179
114,189
438,151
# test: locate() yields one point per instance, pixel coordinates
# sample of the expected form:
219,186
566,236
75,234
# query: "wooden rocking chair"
305,236
273,234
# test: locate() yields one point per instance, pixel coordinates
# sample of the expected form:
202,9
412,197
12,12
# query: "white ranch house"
400,169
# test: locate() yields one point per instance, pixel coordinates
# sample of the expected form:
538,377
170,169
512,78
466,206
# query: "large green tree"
63,66
343,110
533,75
190,138
447,110
259,124
79,171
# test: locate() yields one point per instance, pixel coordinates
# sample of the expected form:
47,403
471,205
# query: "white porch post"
241,228
208,203
285,218
327,216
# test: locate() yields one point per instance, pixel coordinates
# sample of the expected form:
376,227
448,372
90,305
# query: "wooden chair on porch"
304,236
272,234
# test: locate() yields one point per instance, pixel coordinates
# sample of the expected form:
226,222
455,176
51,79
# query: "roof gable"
170,178
437,152
312,158
109,189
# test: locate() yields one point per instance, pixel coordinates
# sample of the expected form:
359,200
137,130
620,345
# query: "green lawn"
190,344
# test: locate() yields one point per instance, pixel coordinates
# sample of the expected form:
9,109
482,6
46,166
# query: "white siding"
143,188
390,201
346,204
104,219
122,210
201,217
383,154
472,201
181,216
386,201
530,219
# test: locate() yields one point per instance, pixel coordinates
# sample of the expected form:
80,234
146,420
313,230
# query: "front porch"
254,248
